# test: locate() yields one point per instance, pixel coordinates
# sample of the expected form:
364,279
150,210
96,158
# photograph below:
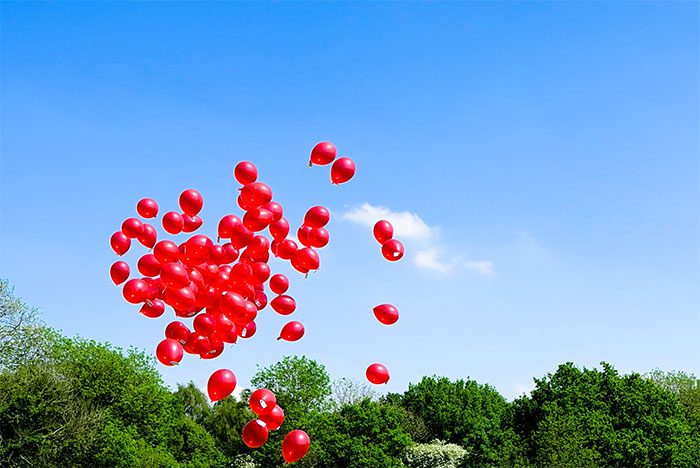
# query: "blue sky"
542,159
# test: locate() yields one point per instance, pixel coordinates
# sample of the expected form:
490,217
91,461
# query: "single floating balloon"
166,251
323,153
191,202
295,446
255,434
149,236
245,172
173,222
383,231
377,374
279,283
386,314
273,419
148,265
135,291
119,272
147,208
343,169
221,384
392,250
169,352
292,331
153,309
317,217
283,304
120,243
132,227
174,275
177,331
318,237
262,401
191,223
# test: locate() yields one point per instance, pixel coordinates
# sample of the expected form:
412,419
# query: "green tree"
465,413
686,387
436,454
365,434
225,423
193,402
591,418
300,384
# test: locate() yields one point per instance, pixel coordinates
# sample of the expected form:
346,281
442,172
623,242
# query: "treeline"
74,402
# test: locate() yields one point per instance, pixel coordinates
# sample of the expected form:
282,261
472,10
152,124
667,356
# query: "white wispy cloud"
482,267
407,225
428,259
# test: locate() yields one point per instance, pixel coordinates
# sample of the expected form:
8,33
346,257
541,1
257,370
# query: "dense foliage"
75,402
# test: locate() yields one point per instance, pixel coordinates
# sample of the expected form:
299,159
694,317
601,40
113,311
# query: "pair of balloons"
392,249
324,153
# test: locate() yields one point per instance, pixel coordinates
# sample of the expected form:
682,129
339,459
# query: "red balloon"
296,264
318,237
196,344
148,265
245,172
204,324
279,283
276,210
173,222
148,237
221,384
317,216
120,243
287,249
249,330
230,253
386,314
343,169
279,229
274,419
261,272
255,195
262,401
392,250
119,272
147,208
191,223
242,272
292,331
303,235
169,352
295,446
135,291
241,236
166,251
216,347
177,331
132,228
155,309
323,153
383,231
260,300
377,374
232,304
308,259
198,247
227,225
283,305
254,434
174,275
191,202
180,298
257,219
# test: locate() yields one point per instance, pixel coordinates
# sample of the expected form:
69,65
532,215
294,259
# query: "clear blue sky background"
557,141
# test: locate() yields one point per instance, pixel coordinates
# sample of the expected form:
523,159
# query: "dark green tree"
598,418
465,413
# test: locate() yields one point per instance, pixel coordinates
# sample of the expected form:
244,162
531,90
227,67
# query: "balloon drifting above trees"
222,284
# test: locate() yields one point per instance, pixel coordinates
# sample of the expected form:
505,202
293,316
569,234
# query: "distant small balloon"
147,208
173,222
292,331
343,169
386,314
392,250
323,153
119,272
120,243
245,172
377,374
149,236
191,202
132,227
221,384
383,231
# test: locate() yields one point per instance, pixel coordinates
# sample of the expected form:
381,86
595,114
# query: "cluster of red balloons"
324,153
221,283
392,249
270,417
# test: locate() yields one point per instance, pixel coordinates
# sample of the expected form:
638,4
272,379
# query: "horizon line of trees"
76,402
